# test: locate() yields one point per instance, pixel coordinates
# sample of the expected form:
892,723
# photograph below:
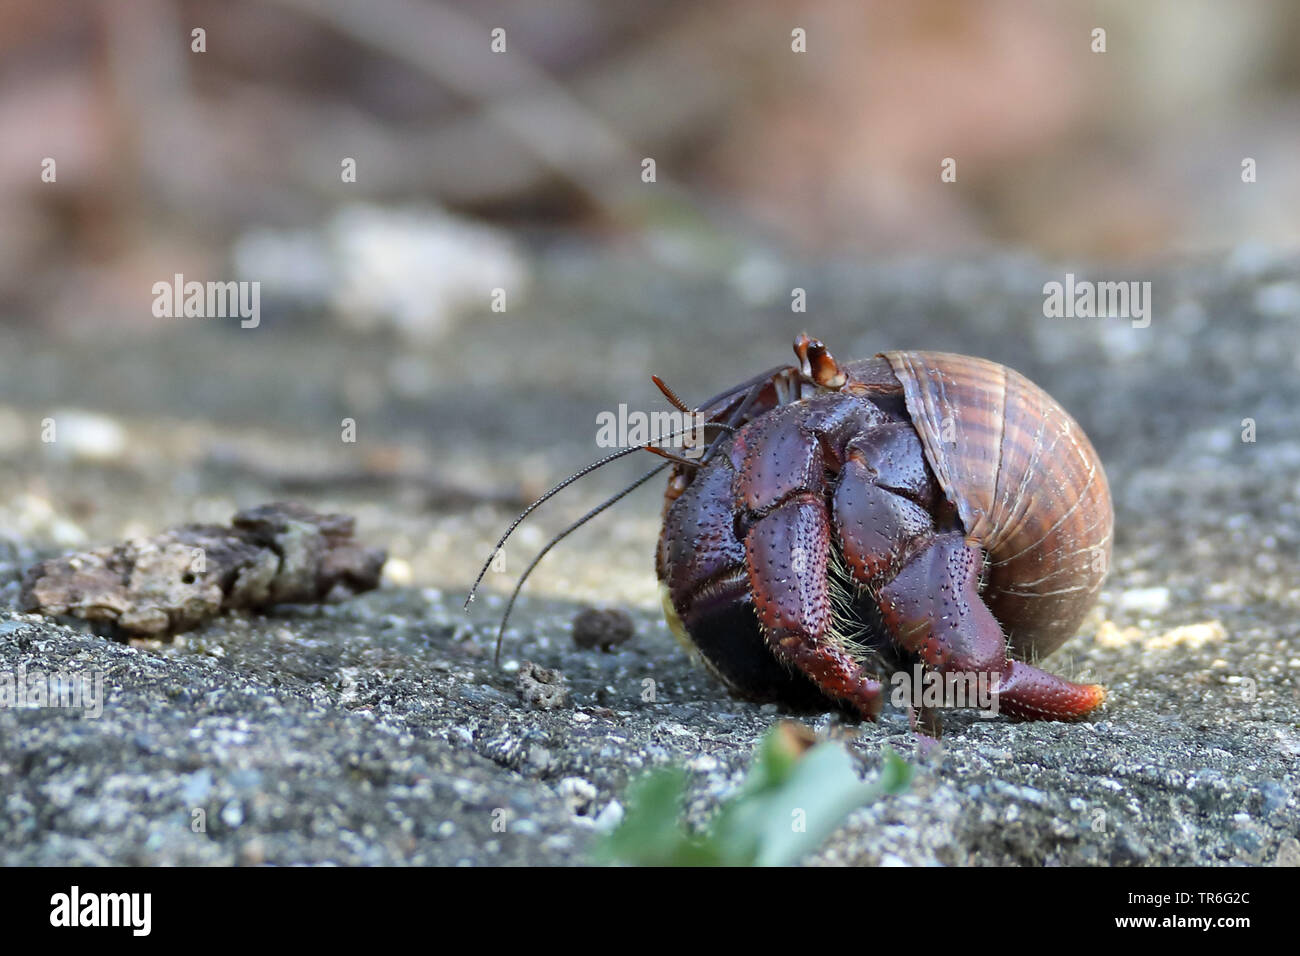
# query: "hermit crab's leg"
781,484
927,584
932,607
786,553
881,503
881,513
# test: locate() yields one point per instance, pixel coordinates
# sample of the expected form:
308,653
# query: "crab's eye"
676,485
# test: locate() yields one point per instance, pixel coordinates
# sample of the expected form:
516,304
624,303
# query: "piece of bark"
274,554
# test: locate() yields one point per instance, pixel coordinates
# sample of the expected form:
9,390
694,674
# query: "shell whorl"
1027,485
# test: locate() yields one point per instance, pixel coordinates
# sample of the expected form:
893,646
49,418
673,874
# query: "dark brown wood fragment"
282,553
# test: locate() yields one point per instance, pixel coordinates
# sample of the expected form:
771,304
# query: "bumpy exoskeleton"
868,516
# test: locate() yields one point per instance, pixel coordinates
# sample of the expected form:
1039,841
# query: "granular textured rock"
377,730
541,688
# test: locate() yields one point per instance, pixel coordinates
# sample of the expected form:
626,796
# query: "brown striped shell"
1026,483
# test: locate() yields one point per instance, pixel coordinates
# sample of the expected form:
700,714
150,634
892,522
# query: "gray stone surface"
377,730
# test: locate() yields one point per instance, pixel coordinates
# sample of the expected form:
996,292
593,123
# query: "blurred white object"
86,435
30,517
415,269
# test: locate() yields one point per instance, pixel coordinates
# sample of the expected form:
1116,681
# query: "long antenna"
501,631
560,487
753,387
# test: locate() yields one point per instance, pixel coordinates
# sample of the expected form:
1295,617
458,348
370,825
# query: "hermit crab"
850,520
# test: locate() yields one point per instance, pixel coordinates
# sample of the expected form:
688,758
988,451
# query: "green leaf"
772,766
823,789
896,774
790,802
650,833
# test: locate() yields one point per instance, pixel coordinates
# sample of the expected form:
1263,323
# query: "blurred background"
523,171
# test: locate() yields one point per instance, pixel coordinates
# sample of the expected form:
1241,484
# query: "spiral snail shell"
1027,484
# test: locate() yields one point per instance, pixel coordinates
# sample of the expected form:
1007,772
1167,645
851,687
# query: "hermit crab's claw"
816,364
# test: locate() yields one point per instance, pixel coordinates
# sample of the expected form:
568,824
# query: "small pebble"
1145,600
603,628
610,817
540,687
232,815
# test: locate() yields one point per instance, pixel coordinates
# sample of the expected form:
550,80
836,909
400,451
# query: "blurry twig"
438,494
515,94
